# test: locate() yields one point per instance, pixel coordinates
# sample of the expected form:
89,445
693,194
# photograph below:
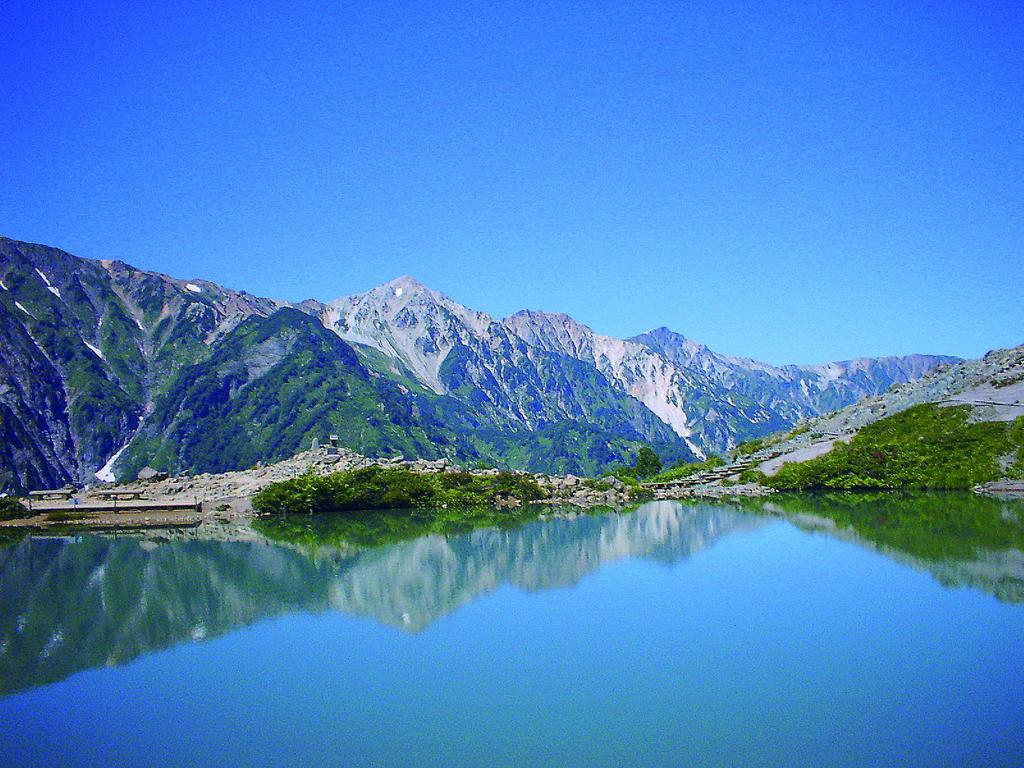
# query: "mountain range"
106,368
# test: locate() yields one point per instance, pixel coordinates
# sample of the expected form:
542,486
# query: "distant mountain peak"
393,295
406,319
664,330
406,284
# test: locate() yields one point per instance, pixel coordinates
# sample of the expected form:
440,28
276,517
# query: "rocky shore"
226,497
1004,489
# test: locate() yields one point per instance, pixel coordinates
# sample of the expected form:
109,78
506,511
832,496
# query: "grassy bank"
385,488
924,447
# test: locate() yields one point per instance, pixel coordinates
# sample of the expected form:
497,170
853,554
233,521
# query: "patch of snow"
193,287
49,285
697,450
106,473
99,354
2,285
19,305
398,291
138,323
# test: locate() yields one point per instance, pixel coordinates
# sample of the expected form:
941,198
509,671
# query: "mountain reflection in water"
73,603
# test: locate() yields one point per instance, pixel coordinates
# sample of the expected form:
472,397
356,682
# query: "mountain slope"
90,344
272,384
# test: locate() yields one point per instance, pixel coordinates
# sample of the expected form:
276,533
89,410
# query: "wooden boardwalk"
113,514
118,506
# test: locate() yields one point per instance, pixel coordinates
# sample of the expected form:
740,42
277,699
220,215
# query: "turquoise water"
778,634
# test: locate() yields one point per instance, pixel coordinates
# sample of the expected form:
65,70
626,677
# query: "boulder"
148,474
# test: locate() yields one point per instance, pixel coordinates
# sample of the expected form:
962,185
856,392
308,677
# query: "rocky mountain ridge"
105,368
709,400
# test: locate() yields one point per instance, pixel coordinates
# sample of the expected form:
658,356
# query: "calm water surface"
818,631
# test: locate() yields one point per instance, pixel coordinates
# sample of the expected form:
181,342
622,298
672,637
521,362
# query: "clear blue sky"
811,182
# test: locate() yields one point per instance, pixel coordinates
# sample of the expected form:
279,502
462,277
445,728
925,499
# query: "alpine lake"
794,630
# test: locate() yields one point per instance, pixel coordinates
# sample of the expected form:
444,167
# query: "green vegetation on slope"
646,466
383,488
271,384
748,447
926,446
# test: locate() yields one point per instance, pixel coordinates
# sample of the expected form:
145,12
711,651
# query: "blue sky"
796,184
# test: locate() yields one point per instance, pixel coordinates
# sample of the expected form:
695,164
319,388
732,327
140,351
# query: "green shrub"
625,474
647,464
12,509
754,476
385,488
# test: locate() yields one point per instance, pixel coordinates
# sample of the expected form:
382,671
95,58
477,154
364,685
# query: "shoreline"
226,498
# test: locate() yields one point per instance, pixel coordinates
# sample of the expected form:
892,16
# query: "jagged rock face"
799,390
73,363
103,372
512,380
36,446
406,320
709,401
646,376
713,400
